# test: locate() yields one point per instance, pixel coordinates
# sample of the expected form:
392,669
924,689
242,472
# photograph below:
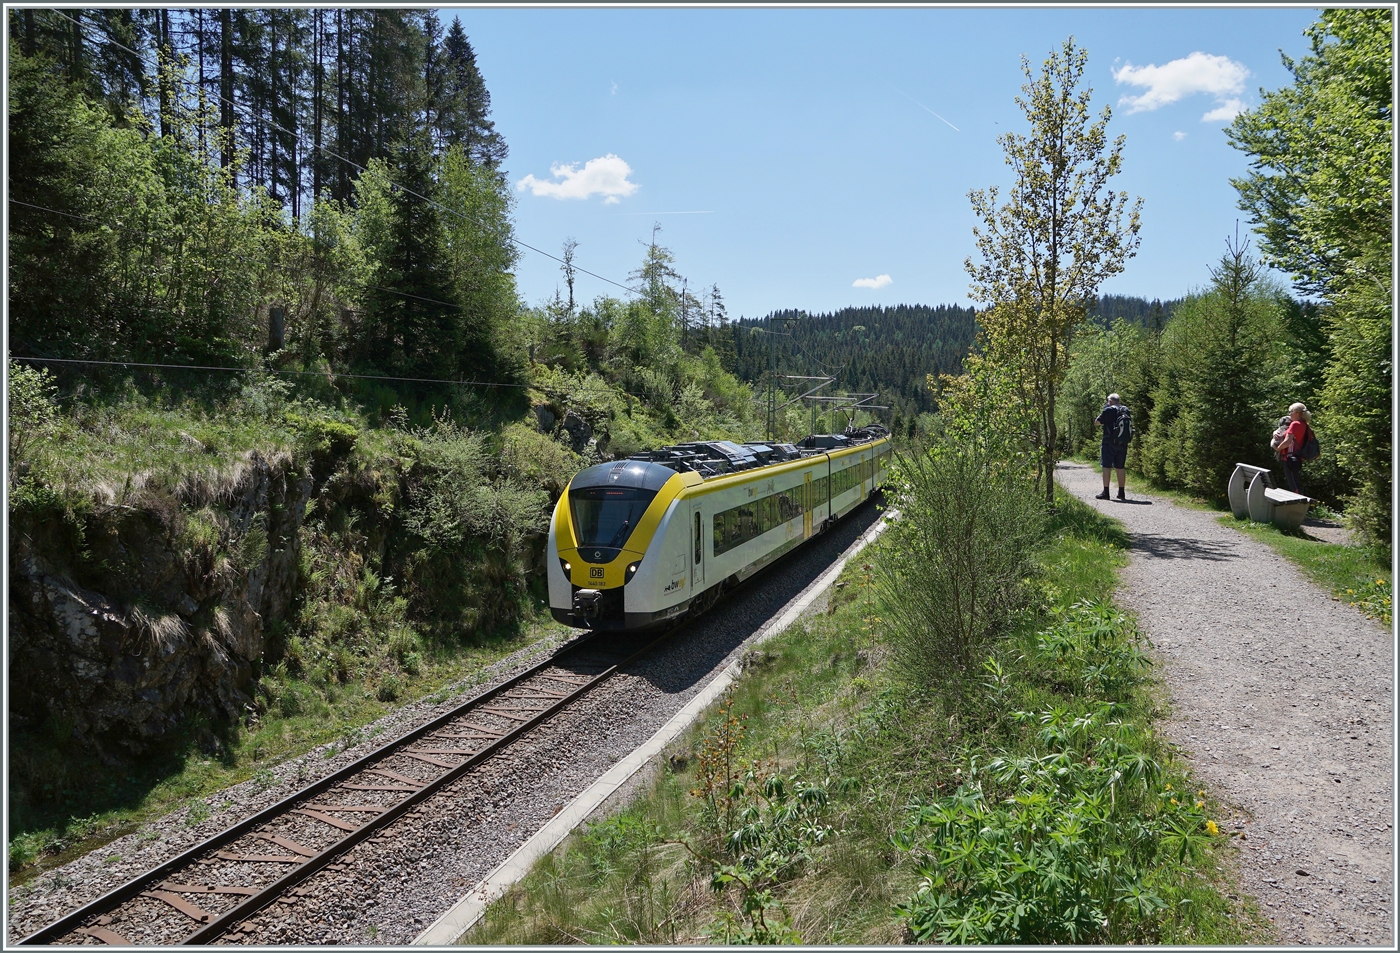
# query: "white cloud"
1219,76
614,87
1178,136
1225,112
878,282
606,176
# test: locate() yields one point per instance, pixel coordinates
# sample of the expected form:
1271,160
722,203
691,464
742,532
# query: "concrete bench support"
1246,491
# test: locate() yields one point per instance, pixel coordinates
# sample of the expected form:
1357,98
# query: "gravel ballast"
1282,702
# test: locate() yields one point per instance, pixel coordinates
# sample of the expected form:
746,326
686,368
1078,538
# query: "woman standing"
1291,447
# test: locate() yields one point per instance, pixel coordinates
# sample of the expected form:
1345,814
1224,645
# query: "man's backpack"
1123,428
1311,449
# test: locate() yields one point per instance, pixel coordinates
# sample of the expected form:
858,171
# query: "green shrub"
532,459
781,823
325,441
610,844
1069,831
1094,644
1076,841
956,558
389,689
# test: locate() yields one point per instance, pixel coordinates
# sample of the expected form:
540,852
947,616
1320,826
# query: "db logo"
595,572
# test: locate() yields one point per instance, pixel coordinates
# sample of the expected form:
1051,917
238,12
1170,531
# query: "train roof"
715,457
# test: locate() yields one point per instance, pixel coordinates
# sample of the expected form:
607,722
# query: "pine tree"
464,108
1321,195
1219,356
414,325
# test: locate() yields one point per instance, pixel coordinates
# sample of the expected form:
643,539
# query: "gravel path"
1282,703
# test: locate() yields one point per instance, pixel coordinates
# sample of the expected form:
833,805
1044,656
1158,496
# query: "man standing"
1117,426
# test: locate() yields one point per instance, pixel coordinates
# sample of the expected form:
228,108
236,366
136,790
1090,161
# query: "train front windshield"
606,516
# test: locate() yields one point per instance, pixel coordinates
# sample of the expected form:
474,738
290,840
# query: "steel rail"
132,888
301,872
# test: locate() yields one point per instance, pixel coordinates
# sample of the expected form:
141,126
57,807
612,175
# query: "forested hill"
891,350
1148,314
886,350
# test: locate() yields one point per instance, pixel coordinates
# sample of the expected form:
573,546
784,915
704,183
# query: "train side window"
699,547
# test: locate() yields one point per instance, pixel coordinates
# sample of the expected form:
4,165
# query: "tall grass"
952,575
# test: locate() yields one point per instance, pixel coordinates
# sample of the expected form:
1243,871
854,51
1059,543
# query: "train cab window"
606,516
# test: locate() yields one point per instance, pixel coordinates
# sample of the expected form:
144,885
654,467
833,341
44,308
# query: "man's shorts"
1113,455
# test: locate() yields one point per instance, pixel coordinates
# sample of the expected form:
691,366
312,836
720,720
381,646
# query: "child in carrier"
1280,433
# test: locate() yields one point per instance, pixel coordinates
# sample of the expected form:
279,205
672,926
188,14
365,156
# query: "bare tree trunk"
1051,437
199,47
226,85
164,63
317,67
340,119
30,44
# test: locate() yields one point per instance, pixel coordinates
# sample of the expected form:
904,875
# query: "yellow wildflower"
1380,582
1211,829
1173,802
1169,787
1200,804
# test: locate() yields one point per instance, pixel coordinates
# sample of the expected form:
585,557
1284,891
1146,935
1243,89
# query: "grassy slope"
821,703
99,804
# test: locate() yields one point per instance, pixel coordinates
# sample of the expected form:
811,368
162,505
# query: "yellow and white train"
643,541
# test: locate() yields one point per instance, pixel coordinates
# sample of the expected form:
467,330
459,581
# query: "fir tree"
464,108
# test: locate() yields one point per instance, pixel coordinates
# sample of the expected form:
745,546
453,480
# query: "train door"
807,504
697,546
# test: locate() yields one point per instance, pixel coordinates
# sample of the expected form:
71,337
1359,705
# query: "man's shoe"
1103,495
1121,494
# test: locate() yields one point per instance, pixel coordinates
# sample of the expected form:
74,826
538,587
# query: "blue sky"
830,146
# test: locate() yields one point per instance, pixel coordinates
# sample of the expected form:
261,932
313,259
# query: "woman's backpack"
1311,449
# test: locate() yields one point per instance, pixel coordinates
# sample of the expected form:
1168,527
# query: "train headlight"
564,564
632,569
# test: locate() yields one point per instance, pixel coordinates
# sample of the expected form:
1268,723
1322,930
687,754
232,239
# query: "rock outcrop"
142,611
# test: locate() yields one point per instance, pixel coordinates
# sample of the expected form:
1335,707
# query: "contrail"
922,106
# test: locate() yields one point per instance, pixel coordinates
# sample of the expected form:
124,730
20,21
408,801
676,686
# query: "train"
643,542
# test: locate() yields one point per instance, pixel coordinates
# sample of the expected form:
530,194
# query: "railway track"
209,891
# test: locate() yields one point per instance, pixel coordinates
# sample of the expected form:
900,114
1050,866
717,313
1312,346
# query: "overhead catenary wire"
758,329
355,165
275,370
267,370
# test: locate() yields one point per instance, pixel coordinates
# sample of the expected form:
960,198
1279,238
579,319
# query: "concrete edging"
466,912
